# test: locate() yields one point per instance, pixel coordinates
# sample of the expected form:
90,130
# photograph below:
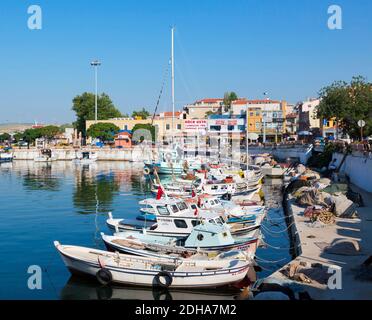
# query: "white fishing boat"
5,156
86,157
124,269
206,239
174,218
45,155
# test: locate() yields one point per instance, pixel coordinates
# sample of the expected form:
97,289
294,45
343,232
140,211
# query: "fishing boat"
175,218
85,157
5,156
205,239
124,269
228,188
45,155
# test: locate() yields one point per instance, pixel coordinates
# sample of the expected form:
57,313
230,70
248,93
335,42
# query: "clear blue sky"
249,46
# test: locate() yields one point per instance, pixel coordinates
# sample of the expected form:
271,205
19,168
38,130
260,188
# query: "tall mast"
173,101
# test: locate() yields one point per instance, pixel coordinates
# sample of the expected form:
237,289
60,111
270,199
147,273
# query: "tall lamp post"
96,64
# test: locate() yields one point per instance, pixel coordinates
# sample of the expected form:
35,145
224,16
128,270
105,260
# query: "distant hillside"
14,127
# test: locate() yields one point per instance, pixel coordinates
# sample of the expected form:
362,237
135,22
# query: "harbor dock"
318,265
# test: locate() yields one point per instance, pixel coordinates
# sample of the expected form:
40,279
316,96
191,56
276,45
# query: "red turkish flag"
160,193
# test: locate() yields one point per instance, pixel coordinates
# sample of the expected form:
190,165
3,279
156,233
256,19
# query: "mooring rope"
277,232
279,248
269,261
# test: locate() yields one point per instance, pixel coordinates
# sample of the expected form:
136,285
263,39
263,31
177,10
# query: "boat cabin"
209,234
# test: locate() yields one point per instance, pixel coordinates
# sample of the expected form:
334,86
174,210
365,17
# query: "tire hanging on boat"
167,279
104,276
146,171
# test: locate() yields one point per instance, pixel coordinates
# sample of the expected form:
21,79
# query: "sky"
248,46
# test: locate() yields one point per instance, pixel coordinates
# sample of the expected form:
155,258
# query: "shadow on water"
80,288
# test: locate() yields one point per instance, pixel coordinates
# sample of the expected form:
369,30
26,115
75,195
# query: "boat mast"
247,136
173,101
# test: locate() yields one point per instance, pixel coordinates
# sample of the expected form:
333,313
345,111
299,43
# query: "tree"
143,114
5,137
84,107
228,98
30,135
49,132
103,131
145,126
347,103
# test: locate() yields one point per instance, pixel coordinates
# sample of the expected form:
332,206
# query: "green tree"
18,136
84,107
143,114
49,132
228,98
30,135
5,137
145,126
103,131
347,103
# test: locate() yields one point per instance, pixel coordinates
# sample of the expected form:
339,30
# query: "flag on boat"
196,212
160,193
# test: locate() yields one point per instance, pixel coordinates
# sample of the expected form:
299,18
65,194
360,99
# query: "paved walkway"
357,229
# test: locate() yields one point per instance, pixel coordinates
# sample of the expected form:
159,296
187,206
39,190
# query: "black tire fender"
104,276
166,283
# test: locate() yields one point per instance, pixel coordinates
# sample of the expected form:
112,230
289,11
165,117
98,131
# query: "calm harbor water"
61,201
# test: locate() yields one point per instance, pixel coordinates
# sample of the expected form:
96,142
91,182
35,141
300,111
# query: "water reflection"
79,288
94,191
41,178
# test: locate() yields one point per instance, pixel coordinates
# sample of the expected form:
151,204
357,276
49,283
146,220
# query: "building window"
179,126
251,114
126,127
230,128
167,126
215,128
257,114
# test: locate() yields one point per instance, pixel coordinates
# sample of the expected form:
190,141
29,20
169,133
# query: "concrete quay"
306,241
104,154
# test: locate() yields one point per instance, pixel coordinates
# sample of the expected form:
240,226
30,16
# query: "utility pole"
96,64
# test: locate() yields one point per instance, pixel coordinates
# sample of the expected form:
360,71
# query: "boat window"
195,223
163,210
214,188
180,223
193,206
174,208
182,206
212,221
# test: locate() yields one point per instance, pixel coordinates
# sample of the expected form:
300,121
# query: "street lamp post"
96,64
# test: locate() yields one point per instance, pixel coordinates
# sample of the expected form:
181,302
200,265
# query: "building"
308,122
291,120
202,108
123,139
162,122
266,118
